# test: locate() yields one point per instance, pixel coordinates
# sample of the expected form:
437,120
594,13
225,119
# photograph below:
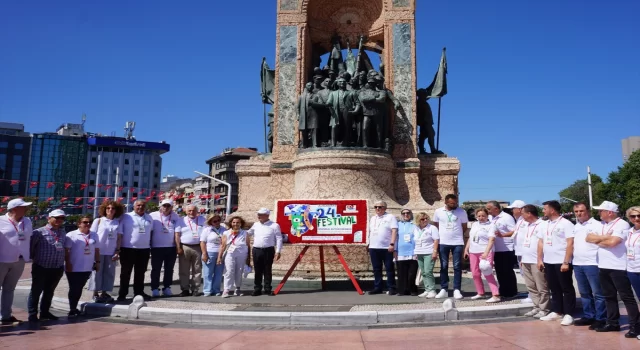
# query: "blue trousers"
634,278
594,305
457,251
378,257
160,256
212,275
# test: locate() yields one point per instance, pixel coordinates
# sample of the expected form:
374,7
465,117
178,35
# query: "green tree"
623,185
152,207
579,191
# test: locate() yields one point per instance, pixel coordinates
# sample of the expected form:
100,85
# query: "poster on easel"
323,222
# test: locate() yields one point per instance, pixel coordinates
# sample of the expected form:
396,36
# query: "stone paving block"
410,316
241,318
164,315
110,310
334,318
480,312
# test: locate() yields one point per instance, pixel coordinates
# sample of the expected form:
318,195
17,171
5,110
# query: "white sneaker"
155,293
431,295
423,295
550,317
494,300
533,312
477,296
567,320
442,294
225,294
526,301
457,295
167,292
540,314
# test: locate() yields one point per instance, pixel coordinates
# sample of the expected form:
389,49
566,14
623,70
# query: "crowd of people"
604,257
92,251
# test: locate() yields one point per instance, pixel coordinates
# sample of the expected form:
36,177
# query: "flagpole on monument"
438,135
438,88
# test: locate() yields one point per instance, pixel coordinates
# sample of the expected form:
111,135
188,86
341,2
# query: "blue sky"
538,90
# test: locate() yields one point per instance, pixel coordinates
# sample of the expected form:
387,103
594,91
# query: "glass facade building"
15,145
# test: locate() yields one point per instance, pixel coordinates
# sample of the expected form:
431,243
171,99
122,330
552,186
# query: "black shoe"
122,298
73,313
584,322
271,294
394,292
48,316
10,320
145,296
185,293
596,325
608,328
374,292
33,319
256,293
631,334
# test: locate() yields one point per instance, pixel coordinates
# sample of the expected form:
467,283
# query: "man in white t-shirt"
504,258
190,253
15,238
612,261
451,222
585,268
137,227
517,235
534,278
383,231
555,249
163,247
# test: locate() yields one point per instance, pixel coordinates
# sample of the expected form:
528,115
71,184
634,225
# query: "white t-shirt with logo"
529,236
380,230
164,229
554,236
192,229
519,234
585,253
450,225
504,223
425,239
236,244
82,250
479,236
213,238
107,231
136,230
14,243
633,250
614,258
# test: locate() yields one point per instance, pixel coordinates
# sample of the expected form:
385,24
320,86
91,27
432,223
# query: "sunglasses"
85,222
215,221
406,213
424,220
634,216
111,208
378,207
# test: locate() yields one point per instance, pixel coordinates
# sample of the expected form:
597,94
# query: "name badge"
142,230
21,235
165,229
87,250
232,249
450,226
197,233
110,235
548,240
476,239
58,246
631,253
407,238
217,240
527,242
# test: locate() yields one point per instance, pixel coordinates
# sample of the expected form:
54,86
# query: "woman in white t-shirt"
633,249
82,256
109,232
480,247
235,246
210,241
427,241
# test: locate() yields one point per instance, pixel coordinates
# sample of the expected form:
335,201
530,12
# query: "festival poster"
320,222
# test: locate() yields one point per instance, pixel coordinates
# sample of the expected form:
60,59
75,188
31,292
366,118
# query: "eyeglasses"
378,207
634,216
215,221
406,213
59,218
111,208
85,222
424,220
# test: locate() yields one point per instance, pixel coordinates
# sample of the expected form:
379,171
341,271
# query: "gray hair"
495,204
635,208
192,206
380,203
140,201
410,215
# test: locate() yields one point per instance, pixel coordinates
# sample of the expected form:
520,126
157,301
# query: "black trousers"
617,282
43,282
407,272
263,263
160,256
563,295
135,260
503,262
76,281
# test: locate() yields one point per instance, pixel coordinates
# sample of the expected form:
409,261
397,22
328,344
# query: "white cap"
606,205
56,213
517,204
18,202
264,211
166,201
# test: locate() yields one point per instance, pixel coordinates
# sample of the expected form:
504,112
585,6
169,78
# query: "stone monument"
393,170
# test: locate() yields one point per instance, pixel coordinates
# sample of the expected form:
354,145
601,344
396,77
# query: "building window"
125,183
104,171
4,144
126,161
145,173
106,160
90,194
136,162
135,184
93,171
92,182
155,187
126,172
157,164
19,146
156,175
93,160
136,173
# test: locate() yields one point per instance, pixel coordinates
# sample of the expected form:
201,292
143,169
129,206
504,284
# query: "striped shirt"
47,247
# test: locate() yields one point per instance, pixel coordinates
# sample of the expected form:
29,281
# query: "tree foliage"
579,191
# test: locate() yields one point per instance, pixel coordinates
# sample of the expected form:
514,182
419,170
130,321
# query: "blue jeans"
378,257
593,303
212,275
457,251
634,278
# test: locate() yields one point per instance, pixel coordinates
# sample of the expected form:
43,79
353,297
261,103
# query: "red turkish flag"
92,199
191,196
49,199
83,186
153,193
67,185
147,198
63,199
217,196
2,210
141,190
14,182
33,184
78,199
133,199
120,188
99,185
105,199
50,184
107,187
132,189
160,194
120,199
5,199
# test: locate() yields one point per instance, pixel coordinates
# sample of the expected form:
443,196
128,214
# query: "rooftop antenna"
128,129
84,119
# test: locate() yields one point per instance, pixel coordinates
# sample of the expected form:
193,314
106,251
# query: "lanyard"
519,224
449,215
554,227
216,231
191,228
612,226
631,233
530,233
479,224
168,221
141,221
234,237
54,235
422,231
16,224
86,239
